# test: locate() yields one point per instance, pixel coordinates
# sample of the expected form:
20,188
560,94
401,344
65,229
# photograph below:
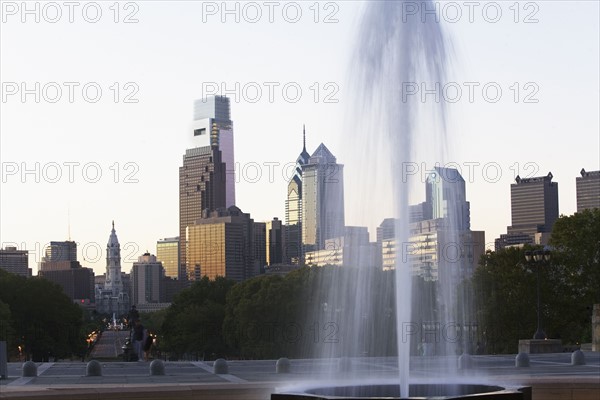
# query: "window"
199,132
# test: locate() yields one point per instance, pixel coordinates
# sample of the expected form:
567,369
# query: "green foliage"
262,316
6,329
45,321
576,240
506,291
194,321
153,321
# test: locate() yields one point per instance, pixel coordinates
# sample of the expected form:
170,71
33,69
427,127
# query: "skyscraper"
274,241
147,275
322,199
167,252
15,261
206,179
220,244
445,197
588,190
59,256
534,209
293,210
213,127
534,204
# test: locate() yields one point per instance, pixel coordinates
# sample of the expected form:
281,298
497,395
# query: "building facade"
351,250
167,252
534,209
274,241
60,265
147,276
322,199
292,253
77,283
588,190
221,244
15,261
113,296
207,176
445,197
259,243
59,256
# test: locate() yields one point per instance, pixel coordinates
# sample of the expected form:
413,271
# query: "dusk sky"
112,151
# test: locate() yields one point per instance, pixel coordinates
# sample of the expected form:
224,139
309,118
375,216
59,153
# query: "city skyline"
144,141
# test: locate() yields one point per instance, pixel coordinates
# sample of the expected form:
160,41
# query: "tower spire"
304,137
113,224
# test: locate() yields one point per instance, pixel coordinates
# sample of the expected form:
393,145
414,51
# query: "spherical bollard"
93,368
578,358
344,364
157,367
282,366
522,360
465,361
29,368
220,367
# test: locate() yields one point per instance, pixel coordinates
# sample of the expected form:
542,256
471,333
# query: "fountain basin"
416,391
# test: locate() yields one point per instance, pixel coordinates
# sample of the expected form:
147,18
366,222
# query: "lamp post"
539,258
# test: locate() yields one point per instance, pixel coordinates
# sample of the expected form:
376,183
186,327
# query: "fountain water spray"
396,51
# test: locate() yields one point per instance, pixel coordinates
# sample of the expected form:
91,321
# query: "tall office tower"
220,244
445,197
147,275
15,261
206,179
293,210
60,256
588,190
322,199
213,128
167,252
274,241
259,243
534,209
534,205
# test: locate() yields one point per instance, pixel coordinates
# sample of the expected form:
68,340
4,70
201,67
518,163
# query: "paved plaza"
551,375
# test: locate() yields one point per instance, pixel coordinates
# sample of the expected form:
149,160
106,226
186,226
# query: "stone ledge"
538,346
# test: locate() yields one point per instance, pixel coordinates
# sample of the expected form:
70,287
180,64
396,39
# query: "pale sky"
176,52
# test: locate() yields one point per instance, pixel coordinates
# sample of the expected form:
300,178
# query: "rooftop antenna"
69,222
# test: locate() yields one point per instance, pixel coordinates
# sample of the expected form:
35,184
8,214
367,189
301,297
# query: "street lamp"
538,257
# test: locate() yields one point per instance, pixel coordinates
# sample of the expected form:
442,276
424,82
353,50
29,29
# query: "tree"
262,316
193,322
505,296
576,243
505,287
45,320
576,250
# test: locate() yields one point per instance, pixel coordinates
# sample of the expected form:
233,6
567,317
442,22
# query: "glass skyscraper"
206,179
322,199
292,253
